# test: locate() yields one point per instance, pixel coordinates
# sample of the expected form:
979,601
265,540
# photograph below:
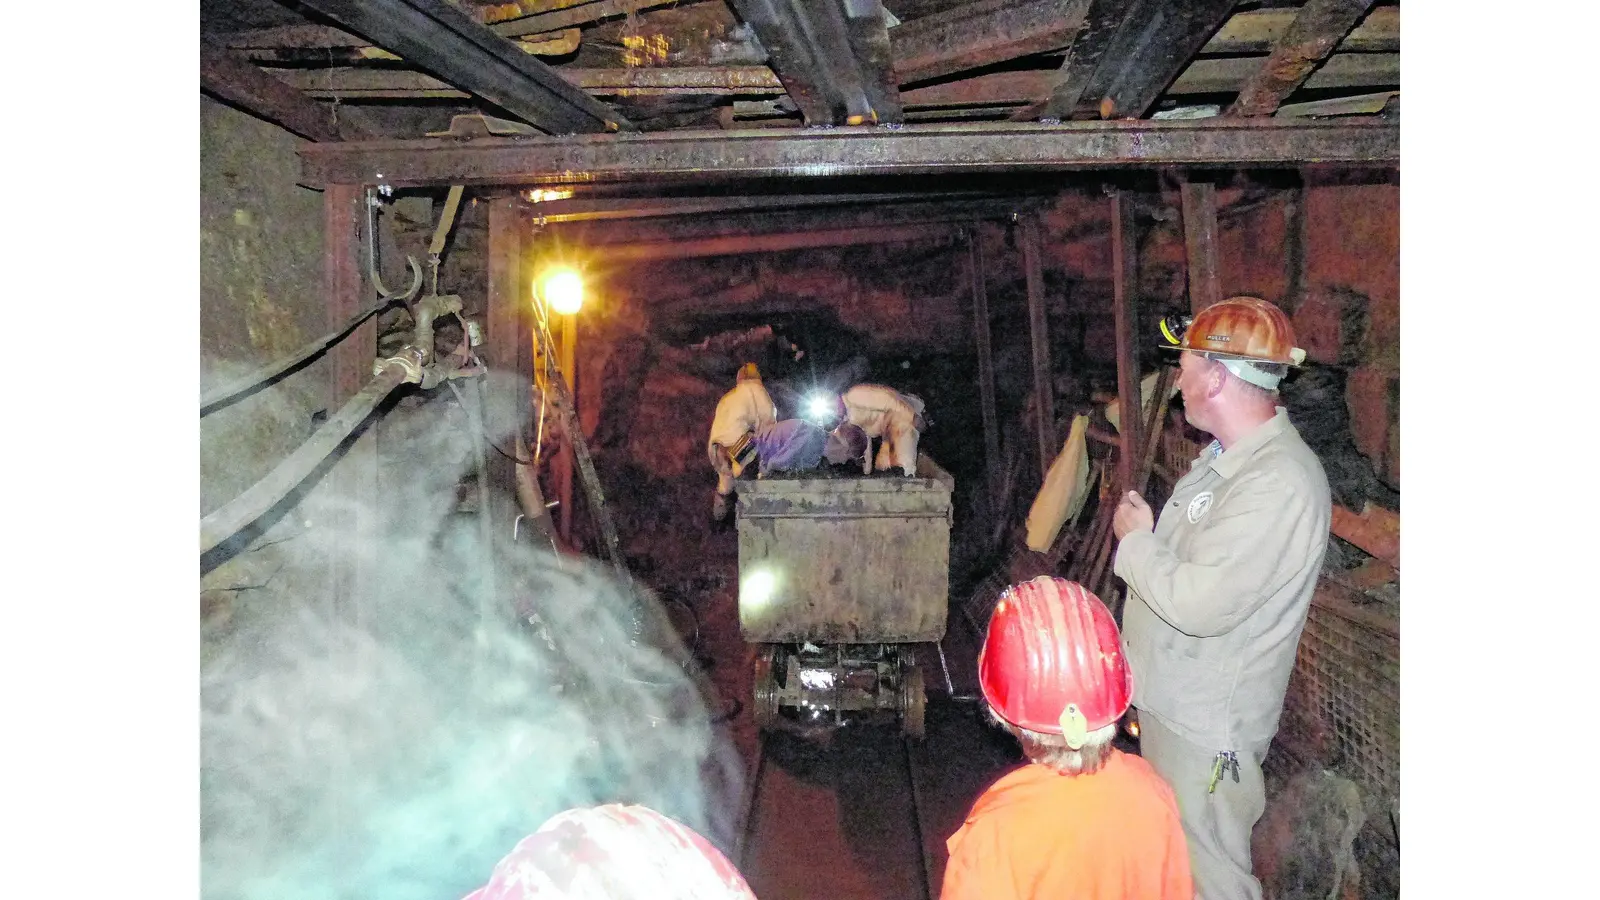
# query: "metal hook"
416,282
372,251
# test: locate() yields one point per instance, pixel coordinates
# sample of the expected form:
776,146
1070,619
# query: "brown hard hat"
1243,328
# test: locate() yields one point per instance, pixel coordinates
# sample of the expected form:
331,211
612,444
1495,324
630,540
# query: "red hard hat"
1052,658
614,852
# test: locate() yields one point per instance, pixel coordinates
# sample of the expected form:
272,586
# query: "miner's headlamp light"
1173,328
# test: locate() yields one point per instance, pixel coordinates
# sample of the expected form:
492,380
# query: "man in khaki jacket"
740,413
1219,586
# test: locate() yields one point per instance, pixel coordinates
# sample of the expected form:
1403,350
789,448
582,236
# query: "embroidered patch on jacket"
1198,506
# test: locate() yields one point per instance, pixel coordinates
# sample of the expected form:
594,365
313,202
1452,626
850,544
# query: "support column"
1039,331
568,361
1200,239
1294,241
508,346
1125,284
353,479
986,391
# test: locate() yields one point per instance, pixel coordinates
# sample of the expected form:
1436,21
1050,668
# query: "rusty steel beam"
986,388
344,81
739,245
1157,40
508,351
1259,30
1200,243
711,155
444,40
354,477
767,222
1125,285
1102,19
1039,337
1203,76
832,57
225,74
613,209
1320,25
980,34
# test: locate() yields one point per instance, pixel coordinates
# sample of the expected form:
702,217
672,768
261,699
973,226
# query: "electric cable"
261,376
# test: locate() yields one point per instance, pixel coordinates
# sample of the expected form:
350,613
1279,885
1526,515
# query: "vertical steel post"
1200,239
1125,284
354,477
986,391
508,351
1039,331
569,372
1294,247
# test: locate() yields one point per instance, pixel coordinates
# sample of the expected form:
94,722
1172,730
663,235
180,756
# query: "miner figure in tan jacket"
731,446
895,419
1220,584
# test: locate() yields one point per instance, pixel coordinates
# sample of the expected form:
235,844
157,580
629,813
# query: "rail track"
837,817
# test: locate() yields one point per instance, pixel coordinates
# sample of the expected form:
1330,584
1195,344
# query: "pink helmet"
613,852
1052,661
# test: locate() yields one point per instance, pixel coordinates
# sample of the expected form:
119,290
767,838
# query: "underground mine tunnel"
477,279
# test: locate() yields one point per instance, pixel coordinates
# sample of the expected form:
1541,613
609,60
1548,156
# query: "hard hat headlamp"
1173,328
821,409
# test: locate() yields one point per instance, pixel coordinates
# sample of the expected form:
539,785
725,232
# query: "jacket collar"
1234,458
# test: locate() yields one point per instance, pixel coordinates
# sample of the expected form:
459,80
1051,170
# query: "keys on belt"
1226,759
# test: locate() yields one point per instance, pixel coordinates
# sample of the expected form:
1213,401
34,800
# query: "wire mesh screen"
1343,707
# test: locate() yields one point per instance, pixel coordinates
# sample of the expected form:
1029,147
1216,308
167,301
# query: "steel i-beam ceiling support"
914,149
440,38
831,55
1156,41
1319,27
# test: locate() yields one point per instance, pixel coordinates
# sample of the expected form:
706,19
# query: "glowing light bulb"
563,290
758,588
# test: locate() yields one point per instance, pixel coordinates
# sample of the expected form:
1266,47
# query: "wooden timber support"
1039,333
1200,242
986,390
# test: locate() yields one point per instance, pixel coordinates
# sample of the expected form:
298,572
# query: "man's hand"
1133,514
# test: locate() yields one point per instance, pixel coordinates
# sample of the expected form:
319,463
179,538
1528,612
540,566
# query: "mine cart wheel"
913,703
765,708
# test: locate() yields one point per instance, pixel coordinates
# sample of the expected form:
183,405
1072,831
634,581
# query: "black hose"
263,375
228,520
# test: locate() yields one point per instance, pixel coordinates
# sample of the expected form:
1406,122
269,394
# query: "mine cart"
838,577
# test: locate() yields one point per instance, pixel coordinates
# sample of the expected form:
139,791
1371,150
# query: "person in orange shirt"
1081,819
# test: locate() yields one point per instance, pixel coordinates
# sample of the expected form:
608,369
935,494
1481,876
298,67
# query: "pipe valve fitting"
410,361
